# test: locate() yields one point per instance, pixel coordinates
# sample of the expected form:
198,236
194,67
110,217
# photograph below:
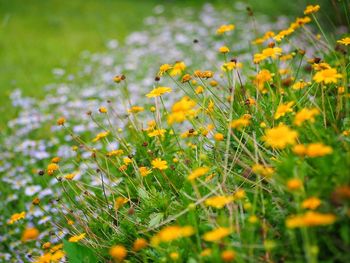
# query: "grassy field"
37,36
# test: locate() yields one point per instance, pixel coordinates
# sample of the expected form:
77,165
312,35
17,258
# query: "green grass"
37,36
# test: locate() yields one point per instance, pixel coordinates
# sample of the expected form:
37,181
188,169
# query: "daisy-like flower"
100,136
327,76
311,9
305,115
144,171
77,238
280,137
311,203
178,68
159,132
197,173
158,92
344,41
159,164
218,201
225,28
118,253
15,217
217,234
171,233
283,109
310,219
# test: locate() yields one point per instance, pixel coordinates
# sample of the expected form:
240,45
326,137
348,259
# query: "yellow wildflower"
181,110
115,153
218,201
311,9
327,76
163,68
224,49
51,168
155,133
280,137
139,244
261,78
159,164
310,219
16,217
311,203
118,252
30,233
318,150
136,109
218,136
119,202
299,85
158,92
77,238
144,171
197,173
305,115
345,41
178,68
170,233
262,170
216,234
228,255
100,136
225,28
61,121
283,109
103,110
294,184
242,122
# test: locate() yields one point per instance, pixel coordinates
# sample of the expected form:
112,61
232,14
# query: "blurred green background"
37,36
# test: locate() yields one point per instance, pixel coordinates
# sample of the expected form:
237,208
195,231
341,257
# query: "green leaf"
76,253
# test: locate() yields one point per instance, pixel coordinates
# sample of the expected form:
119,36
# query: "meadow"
199,132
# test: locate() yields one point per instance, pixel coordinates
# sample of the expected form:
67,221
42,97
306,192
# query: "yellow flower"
103,110
311,203
15,217
318,150
240,123
311,9
218,201
262,170
119,202
218,136
283,34
100,136
144,171
163,68
61,121
155,133
261,78
178,68
136,109
305,115
228,255
70,176
280,137
216,234
327,76
115,153
174,256
310,219
299,85
159,164
345,41
206,252
170,233
77,238
199,90
225,28
139,244
207,74
46,245
197,173
230,66
294,184
181,110
224,49
118,252
158,92
51,168
283,109
30,233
